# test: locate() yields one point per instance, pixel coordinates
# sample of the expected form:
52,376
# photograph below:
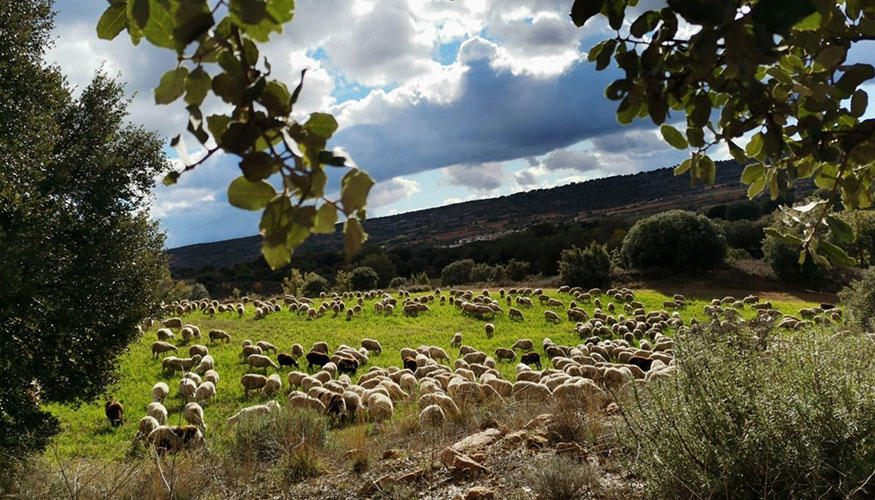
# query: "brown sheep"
347,365
286,360
531,358
410,363
175,439
161,348
219,335
316,358
114,412
502,353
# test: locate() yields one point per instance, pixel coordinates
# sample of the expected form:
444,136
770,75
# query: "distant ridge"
630,195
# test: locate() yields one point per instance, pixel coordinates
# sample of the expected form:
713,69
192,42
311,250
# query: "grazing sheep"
261,361
457,340
380,407
475,357
206,363
531,358
212,376
164,334
320,347
172,323
438,354
490,329
187,389
347,365
205,392
552,317
514,313
157,411
615,378
252,382
254,410
317,358
219,335
523,344
266,346
531,392
286,360
273,385
410,363
249,350
432,416
160,391
198,349
372,345
297,350
146,425
174,439
160,347
114,412
502,353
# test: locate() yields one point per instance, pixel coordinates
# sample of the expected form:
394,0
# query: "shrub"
561,478
744,234
314,285
382,265
677,240
859,301
863,248
343,281
585,267
781,418
294,283
783,258
743,209
481,273
499,275
516,270
457,273
737,254
364,278
420,279
398,282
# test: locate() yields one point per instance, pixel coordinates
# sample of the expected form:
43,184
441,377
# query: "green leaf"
217,124
197,85
701,111
276,97
354,237
140,12
248,195
752,173
354,188
582,10
838,255
755,145
809,23
282,11
831,56
859,102
193,19
673,137
321,124
171,178
159,28
707,169
756,188
736,152
276,227
326,218
248,11
683,167
841,230
172,86
854,76
257,166
112,22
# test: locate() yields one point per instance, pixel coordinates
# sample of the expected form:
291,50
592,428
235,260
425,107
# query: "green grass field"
87,433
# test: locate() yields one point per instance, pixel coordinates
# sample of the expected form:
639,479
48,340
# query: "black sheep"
641,362
114,412
286,360
347,365
410,363
316,358
532,358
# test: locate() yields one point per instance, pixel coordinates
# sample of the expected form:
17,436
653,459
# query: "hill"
631,195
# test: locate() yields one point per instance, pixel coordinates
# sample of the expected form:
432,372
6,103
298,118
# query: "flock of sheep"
621,343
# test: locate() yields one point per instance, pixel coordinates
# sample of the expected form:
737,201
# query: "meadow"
87,433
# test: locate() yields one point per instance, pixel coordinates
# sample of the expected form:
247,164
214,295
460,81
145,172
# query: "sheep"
286,360
219,335
372,345
160,347
347,365
514,313
438,354
261,361
475,357
317,358
297,351
205,392
523,344
380,407
273,385
502,353
251,382
531,392
206,363
320,347
615,378
212,376
249,350
157,411
146,425
457,340
114,412
531,358
490,329
187,389
550,316
164,334
198,349
174,439
254,410
432,416
266,346
160,391
172,323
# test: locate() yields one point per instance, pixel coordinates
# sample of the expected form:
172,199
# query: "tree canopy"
777,73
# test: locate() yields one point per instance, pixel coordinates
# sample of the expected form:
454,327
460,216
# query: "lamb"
174,439
172,323
552,317
254,410
286,360
457,340
261,361
523,344
490,329
160,347
205,391
380,407
273,385
146,425
198,349
160,391
372,345
187,389
252,382
432,416
157,411
219,335
266,346
164,334
114,412
531,358
502,353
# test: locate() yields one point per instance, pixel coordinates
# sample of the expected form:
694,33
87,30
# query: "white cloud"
176,199
482,177
572,159
525,178
391,191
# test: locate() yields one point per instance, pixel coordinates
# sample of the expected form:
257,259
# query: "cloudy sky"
440,101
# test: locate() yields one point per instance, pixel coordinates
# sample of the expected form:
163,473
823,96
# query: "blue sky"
440,101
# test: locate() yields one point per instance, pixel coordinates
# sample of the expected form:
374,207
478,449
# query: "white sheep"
160,391
251,382
160,347
372,345
432,416
145,427
206,363
164,334
157,411
457,340
212,376
187,389
205,392
380,407
254,410
261,361
273,385
194,414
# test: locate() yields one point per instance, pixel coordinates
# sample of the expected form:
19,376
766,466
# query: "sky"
439,101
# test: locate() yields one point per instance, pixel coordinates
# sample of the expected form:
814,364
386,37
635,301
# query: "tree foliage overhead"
217,47
776,71
81,264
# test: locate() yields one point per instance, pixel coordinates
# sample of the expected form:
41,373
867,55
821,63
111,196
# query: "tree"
364,278
744,234
859,301
398,282
80,262
676,240
587,267
863,247
481,273
384,267
294,283
783,258
457,273
743,210
777,71
221,57
343,281
517,270
314,285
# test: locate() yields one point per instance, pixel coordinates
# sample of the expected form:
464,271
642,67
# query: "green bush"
589,267
745,235
420,278
398,282
364,278
783,258
457,273
561,478
677,240
314,285
382,265
294,283
747,417
743,210
499,275
858,300
481,273
516,270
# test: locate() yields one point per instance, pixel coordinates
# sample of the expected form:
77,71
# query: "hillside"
629,195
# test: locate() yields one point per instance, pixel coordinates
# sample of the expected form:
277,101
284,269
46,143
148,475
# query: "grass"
87,432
